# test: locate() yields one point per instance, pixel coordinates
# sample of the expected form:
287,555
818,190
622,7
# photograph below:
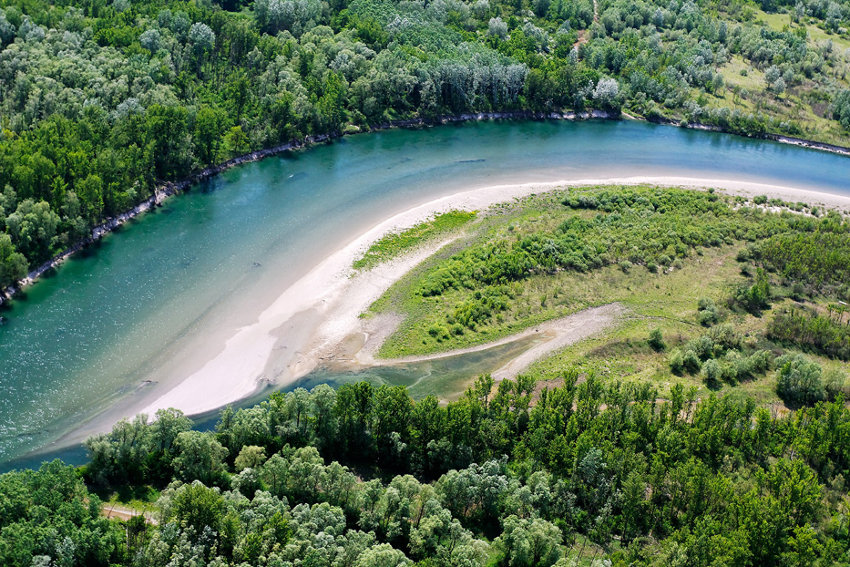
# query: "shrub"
712,373
656,340
756,297
677,362
799,380
691,362
836,382
707,312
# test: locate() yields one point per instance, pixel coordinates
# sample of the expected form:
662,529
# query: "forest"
102,101
580,473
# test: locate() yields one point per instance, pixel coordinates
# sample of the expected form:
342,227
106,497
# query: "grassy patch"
739,72
394,244
544,259
664,298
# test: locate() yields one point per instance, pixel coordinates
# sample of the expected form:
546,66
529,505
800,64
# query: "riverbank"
169,189
306,326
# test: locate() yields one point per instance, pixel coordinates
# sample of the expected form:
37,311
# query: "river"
129,317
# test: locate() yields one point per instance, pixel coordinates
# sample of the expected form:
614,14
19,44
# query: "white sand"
329,300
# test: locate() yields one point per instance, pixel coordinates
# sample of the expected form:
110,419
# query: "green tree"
529,542
194,505
656,340
32,227
167,140
13,264
250,456
199,457
210,126
799,380
841,108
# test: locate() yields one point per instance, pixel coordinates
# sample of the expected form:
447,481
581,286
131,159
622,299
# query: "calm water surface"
115,323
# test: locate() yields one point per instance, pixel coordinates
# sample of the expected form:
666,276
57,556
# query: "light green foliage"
799,380
530,543
32,226
199,457
754,298
382,555
841,108
707,313
817,255
394,244
721,357
250,456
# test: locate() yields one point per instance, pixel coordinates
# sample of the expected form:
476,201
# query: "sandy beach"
311,318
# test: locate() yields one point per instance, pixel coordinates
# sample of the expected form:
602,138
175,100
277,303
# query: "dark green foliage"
606,462
49,513
197,507
656,340
13,264
136,450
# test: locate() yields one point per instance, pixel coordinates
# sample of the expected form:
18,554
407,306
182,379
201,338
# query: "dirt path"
118,512
583,34
554,335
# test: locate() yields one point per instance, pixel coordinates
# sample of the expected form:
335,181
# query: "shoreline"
317,316
168,189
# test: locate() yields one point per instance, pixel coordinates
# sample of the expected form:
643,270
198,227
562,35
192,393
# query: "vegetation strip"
394,244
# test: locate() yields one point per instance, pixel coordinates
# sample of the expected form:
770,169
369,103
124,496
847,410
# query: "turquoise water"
114,324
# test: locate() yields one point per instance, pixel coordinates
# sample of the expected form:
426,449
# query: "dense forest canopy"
365,476
100,101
